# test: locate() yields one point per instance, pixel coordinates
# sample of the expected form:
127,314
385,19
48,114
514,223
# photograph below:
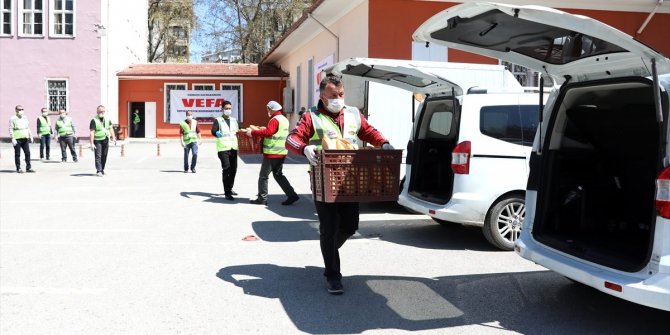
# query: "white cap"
273,105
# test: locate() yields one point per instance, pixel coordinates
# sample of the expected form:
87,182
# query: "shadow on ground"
212,197
83,175
524,302
290,159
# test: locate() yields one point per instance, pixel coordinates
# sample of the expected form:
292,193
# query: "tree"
169,21
252,26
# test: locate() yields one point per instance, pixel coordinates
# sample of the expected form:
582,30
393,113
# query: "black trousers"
45,143
24,144
228,169
337,222
274,165
101,149
67,142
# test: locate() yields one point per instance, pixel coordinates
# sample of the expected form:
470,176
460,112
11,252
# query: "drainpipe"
337,39
644,24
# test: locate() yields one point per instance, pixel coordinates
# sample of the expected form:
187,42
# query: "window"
513,124
238,108
62,20
178,32
6,17
168,88
31,18
57,95
437,120
177,50
202,87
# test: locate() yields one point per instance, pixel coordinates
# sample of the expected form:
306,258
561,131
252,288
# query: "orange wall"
255,95
392,23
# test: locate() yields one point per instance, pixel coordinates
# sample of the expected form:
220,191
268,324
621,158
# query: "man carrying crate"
339,220
274,154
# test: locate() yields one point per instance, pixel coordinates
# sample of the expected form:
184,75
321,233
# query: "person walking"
65,131
101,133
190,137
44,131
339,220
136,123
225,129
274,154
19,133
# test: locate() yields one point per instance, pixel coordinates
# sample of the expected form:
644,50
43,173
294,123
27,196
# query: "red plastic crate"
367,175
249,145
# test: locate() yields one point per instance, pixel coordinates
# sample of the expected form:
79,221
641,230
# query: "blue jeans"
45,142
193,146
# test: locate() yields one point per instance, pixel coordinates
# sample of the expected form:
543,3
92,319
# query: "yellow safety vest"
45,126
190,135
19,127
321,123
64,126
229,139
276,145
101,128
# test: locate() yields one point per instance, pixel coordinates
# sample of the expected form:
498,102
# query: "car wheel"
503,222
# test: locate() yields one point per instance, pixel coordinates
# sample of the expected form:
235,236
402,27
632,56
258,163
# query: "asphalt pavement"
149,249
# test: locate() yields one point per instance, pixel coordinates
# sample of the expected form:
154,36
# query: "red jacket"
271,129
299,137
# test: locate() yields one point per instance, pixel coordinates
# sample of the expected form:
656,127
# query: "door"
136,119
150,119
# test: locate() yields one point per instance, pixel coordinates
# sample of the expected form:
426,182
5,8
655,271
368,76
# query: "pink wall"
27,62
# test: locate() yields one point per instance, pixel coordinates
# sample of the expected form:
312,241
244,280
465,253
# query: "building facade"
146,88
65,54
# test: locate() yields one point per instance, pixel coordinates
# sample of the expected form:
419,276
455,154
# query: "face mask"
19,113
45,113
188,117
335,105
62,115
227,112
101,115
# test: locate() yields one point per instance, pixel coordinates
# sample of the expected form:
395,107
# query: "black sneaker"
19,171
98,174
229,197
290,200
258,201
193,170
334,286
75,160
185,170
233,193
64,160
30,170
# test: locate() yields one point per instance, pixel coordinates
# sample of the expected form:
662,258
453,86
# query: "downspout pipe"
646,21
337,39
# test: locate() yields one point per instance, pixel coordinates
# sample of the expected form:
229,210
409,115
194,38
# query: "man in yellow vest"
225,129
44,131
19,132
190,137
66,133
101,133
338,220
274,154
136,123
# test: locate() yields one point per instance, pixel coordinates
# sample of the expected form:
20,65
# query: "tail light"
460,158
663,193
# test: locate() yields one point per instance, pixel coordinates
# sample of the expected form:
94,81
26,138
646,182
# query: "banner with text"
205,105
318,72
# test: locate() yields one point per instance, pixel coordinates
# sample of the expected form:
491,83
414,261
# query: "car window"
437,120
510,123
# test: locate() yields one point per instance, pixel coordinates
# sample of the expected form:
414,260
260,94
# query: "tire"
503,222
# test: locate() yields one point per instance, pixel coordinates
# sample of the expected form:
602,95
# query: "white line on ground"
70,230
51,290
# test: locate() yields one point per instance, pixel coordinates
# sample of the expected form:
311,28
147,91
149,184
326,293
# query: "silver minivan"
598,193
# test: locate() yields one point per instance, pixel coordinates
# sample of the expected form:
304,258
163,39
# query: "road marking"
62,201
51,290
37,230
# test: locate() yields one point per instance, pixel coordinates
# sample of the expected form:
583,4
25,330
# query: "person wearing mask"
136,123
225,129
44,131
101,133
274,154
19,133
65,131
190,137
339,220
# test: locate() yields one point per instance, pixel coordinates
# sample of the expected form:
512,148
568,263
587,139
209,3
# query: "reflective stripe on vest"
190,135
45,126
229,139
20,128
276,145
64,127
352,124
101,128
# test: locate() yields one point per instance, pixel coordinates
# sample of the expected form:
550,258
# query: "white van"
467,154
598,198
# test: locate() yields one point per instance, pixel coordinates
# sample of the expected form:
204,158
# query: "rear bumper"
463,208
641,288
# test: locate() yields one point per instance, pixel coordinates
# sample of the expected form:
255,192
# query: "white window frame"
52,19
240,107
166,107
33,12
9,11
212,86
48,95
